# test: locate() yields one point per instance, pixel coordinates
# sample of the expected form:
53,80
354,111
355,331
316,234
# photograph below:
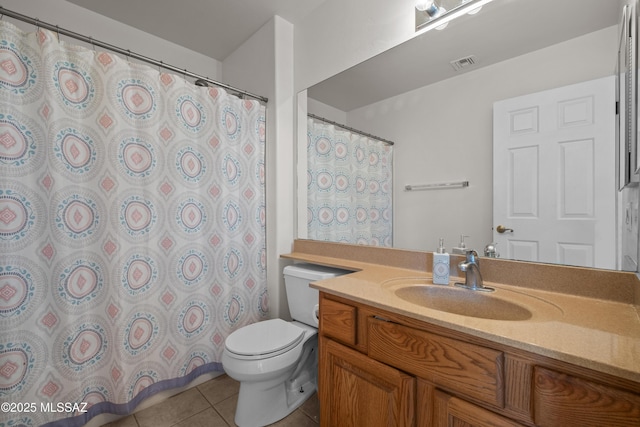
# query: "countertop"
599,334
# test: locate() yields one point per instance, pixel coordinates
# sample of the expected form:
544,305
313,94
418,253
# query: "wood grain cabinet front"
470,370
338,321
562,400
379,368
358,391
449,411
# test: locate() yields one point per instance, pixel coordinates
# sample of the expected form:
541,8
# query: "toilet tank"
302,299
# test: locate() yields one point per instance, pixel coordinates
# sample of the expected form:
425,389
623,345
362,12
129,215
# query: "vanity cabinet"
586,403
471,370
451,411
364,392
379,368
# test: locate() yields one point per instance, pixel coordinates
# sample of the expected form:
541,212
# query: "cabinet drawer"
451,411
338,321
467,369
563,400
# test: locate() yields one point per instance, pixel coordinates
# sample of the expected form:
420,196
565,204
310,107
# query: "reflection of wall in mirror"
443,132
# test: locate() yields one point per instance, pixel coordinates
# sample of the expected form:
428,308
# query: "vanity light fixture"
430,8
474,10
429,15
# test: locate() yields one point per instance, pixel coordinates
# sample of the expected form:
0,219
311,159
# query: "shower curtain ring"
58,33
93,46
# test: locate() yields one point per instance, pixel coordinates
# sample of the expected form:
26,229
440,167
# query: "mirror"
433,96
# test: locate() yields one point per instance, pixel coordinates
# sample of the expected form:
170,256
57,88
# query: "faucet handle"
472,256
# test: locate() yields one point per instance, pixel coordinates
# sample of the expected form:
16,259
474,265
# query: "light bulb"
437,12
429,7
441,11
423,5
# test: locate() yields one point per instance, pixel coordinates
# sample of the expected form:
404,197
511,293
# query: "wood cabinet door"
357,391
449,411
562,400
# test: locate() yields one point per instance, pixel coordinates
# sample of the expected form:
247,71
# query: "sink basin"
463,302
499,305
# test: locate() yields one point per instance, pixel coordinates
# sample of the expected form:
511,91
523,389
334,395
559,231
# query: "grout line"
212,405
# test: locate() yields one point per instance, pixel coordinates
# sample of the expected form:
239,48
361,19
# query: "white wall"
443,132
340,34
326,111
79,20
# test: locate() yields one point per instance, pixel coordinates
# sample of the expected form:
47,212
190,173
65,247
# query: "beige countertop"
595,333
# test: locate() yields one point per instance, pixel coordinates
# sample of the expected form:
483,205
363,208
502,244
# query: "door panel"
554,175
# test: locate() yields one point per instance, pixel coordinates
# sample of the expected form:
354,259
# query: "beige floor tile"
207,418
312,408
173,410
211,404
296,419
219,389
227,408
129,421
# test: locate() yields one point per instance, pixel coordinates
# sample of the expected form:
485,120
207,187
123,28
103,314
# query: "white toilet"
276,361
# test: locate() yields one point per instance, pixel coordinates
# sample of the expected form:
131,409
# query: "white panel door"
554,175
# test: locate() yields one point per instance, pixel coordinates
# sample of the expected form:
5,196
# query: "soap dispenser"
441,265
461,249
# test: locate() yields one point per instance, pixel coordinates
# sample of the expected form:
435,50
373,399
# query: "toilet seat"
264,339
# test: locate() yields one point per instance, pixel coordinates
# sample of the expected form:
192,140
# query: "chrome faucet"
473,279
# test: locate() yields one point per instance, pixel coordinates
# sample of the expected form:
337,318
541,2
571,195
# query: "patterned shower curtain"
349,186
132,229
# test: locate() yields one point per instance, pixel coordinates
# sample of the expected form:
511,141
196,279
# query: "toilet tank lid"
313,271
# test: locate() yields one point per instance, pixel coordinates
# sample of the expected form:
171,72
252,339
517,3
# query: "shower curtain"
349,186
132,229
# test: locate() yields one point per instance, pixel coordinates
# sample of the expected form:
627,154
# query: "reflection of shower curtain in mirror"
132,229
349,186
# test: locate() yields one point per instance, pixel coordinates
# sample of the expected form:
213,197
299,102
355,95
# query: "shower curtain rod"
125,52
331,122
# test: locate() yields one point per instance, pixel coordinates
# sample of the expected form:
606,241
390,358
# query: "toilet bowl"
276,361
268,389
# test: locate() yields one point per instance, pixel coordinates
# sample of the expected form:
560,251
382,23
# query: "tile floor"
211,404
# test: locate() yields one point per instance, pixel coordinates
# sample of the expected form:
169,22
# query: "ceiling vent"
464,63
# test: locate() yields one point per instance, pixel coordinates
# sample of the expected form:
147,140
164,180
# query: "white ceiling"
214,28
502,30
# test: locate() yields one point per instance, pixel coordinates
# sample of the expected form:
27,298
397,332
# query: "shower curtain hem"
128,408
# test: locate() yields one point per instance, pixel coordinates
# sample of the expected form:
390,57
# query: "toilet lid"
267,338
